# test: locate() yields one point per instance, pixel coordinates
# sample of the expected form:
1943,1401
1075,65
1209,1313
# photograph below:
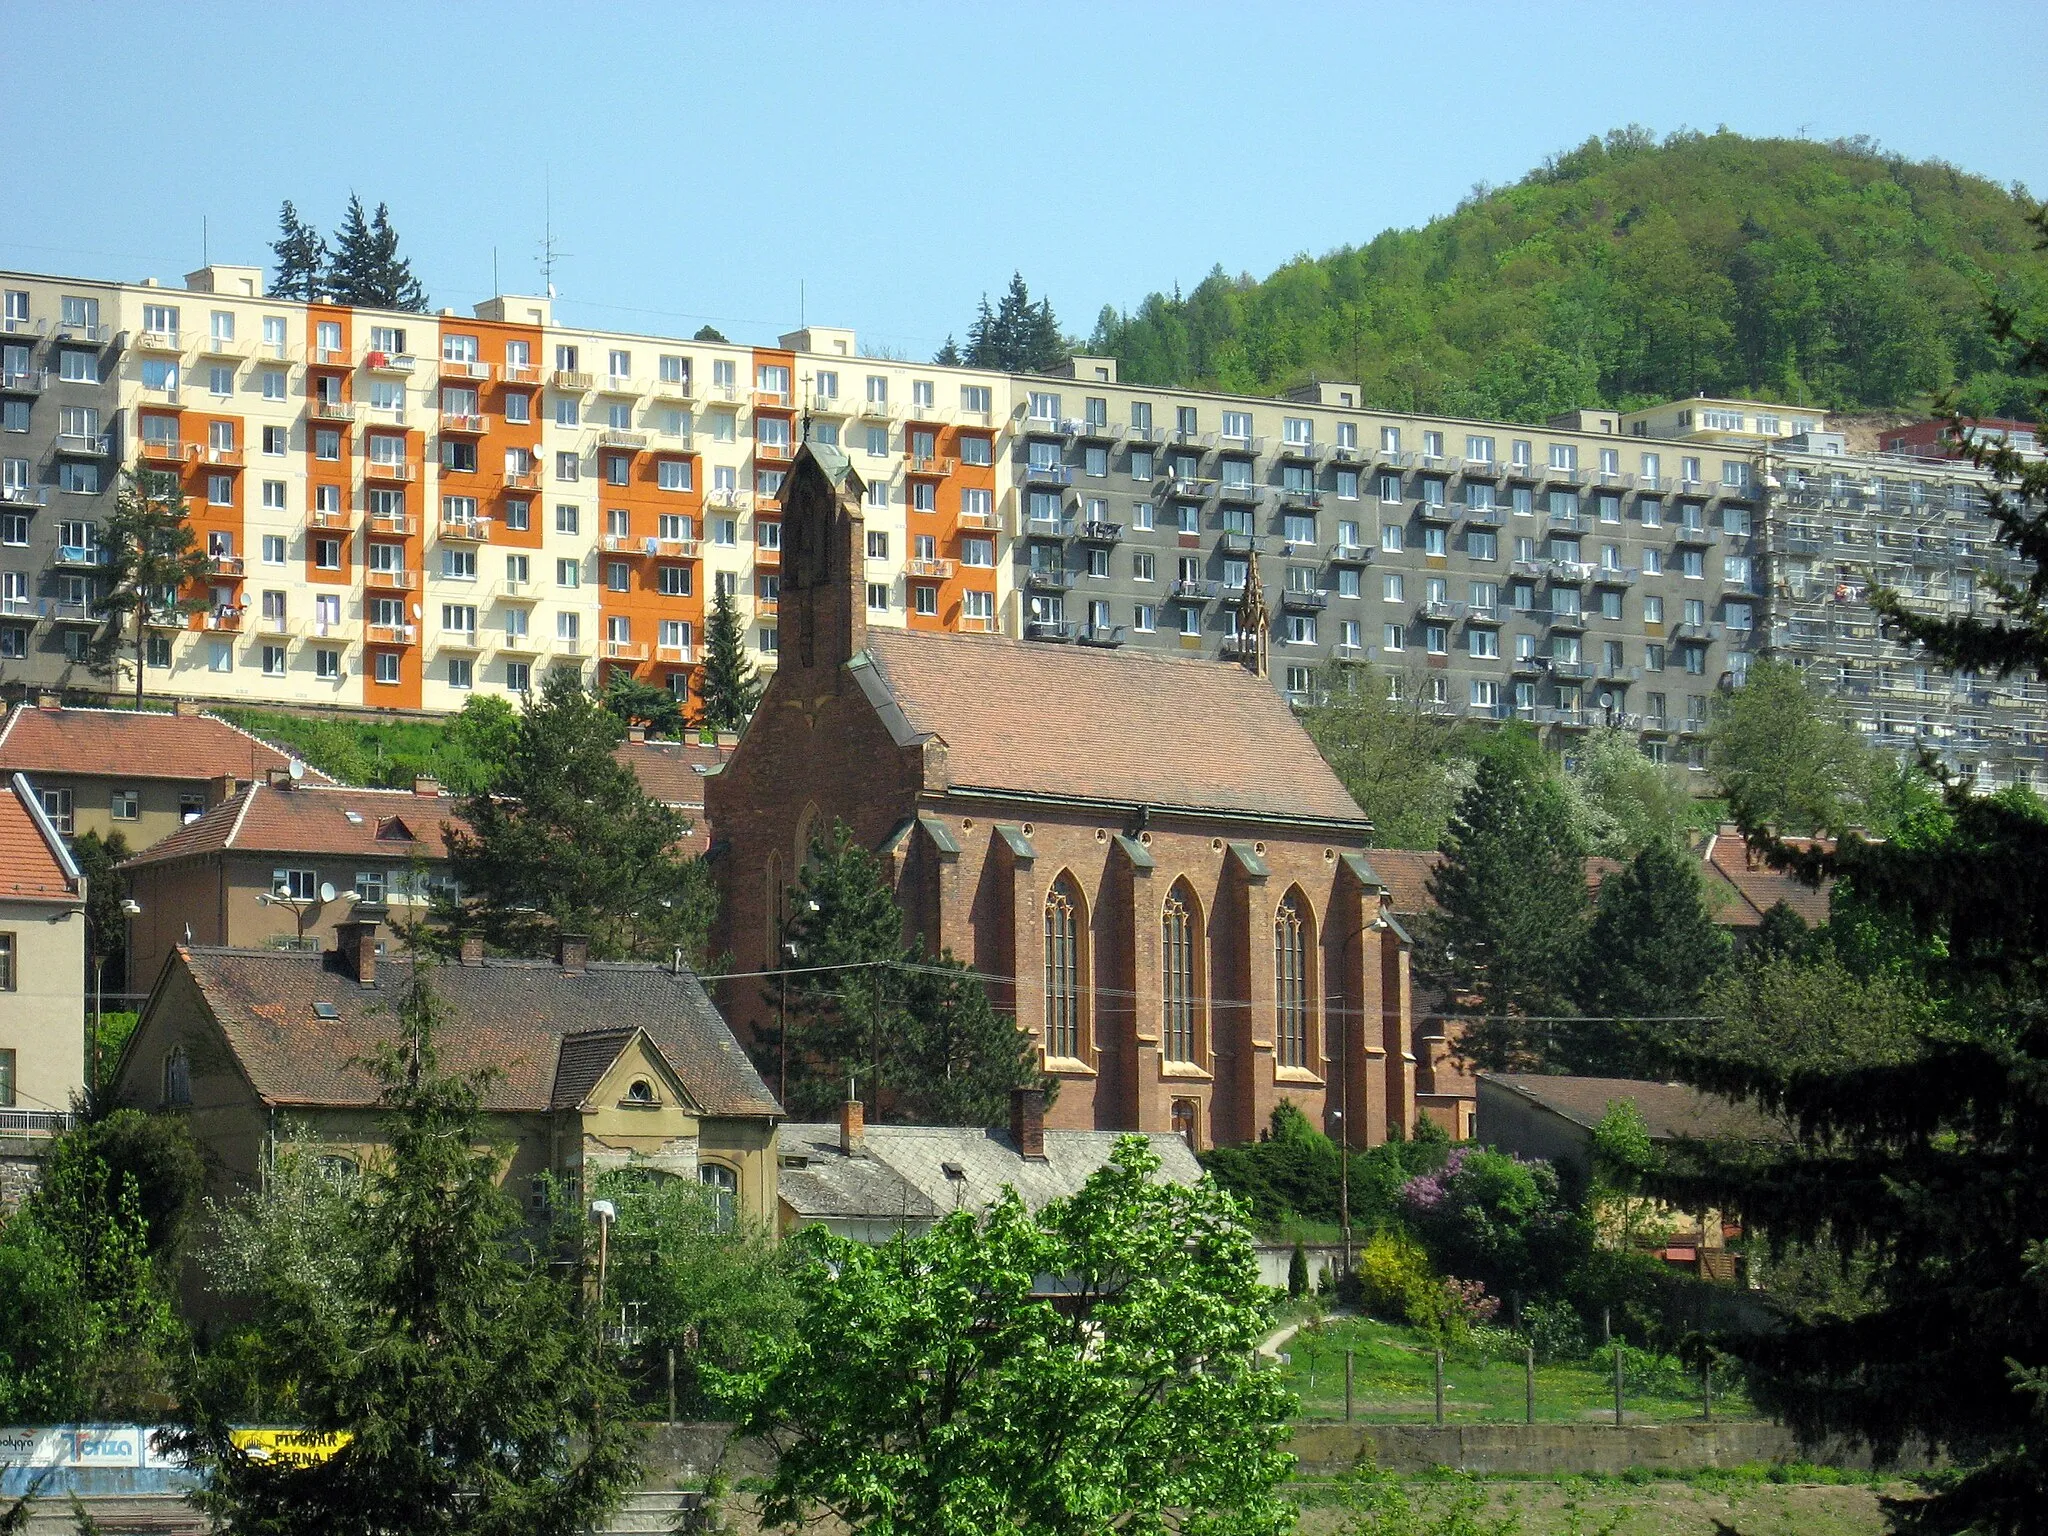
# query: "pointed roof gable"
313,819
1067,723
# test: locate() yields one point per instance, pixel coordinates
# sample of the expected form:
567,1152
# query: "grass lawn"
1394,1382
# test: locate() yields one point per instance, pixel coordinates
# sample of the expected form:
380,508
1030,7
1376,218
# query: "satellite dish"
298,769
326,890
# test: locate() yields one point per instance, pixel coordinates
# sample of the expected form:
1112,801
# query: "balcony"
522,479
570,381
684,391
221,458
1616,575
396,524
1102,533
980,522
85,445
1049,629
1105,635
24,495
931,468
1098,431
330,357
226,566
81,556
460,369
1704,632
775,453
524,643
466,530
769,400
1526,666
1351,554
158,341
1045,527
1242,492
1351,654
1304,600
24,381
163,450
1192,590
465,423
276,626
934,570
389,469
1049,474
459,640
393,581
1047,578
1481,517
1235,543
325,519
1483,613
1698,534
1490,470
830,406
676,655
335,410
1567,620
390,634
69,611
224,346
571,645
619,437
1435,512
520,373
1566,522
1580,671
226,620
769,555
389,362
728,500
875,410
1438,608
1300,496
1191,487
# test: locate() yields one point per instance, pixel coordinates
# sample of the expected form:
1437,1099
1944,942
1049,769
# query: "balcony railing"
985,522
459,640
1049,629
780,453
336,410
677,389
393,581
467,423
1192,590
24,381
464,368
1102,533
770,399
79,555
525,643
680,655
397,524
466,530
228,620
522,479
931,468
337,518
1300,496
1191,487
221,458
570,380
330,357
1102,634
1301,450
521,373
226,565
1243,492
934,570
1304,600
1435,512
25,495
223,346
1350,554
91,445
1049,474
390,634
386,469
1051,578
158,341
389,362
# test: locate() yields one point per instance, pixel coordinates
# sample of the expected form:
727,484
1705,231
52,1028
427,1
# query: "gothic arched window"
1063,970
1179,934
1290,982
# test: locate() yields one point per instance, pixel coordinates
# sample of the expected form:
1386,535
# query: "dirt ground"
1661,1508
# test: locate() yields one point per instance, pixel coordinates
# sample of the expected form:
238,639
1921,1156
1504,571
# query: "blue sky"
896,160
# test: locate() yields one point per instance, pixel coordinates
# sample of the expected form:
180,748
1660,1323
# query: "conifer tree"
949,355
1018,336
638,703
402,1310
1650,954
366,268
566,841
708,333
727,688
302,258
1928,1169
153,563
1511,899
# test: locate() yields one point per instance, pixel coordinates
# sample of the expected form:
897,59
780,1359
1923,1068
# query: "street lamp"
130,908
606,1213
1377,925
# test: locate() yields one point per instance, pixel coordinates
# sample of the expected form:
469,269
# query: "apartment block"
404,508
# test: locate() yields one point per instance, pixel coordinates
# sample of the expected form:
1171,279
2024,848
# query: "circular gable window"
640,1091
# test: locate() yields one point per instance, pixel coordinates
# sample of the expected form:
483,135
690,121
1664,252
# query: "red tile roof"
1124,726
131,744
670,772
1405,872
34,864
1670,1111
316,819
514,1017
1752,887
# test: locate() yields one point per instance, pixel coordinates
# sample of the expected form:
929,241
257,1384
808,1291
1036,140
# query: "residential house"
672,773
282,862
42,984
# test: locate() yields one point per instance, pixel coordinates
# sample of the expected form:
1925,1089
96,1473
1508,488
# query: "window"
927,600
519,515
1483,644
327,554
978,552
57,806
327,665
568,466
1290,983
617,576
674,475
567,519
568,573
673,580
1063,971
177,1077
273,661
722,1188
461,672
979,605
1178,979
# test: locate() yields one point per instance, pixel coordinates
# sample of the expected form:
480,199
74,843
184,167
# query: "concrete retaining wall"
1562,1449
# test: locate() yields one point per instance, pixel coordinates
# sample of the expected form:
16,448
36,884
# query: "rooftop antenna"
495,289
205,254
802,313
549,255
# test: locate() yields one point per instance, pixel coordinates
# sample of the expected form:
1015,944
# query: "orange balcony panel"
763,555
390,634
163,450
625,650
681,655
228,619
935,570
779,453
328,519
770,400
521,373
466,530
983,521
221,458
465,370
769,606
464,423
395,525
331,357
394,581
384,469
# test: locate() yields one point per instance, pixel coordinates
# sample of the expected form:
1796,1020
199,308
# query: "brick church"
1171,889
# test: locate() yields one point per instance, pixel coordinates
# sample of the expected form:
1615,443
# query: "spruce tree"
983,340
302,258
708,333
955,1059
566,841
366,269
637,703
727,689
154,563
1018,336
1511,900
1650,954
409,1311
949,355
1927,1169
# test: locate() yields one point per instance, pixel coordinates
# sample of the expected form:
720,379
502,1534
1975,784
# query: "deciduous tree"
1403,764
931,1387
154,561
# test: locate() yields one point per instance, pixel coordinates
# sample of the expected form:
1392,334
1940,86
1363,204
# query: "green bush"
1395,1280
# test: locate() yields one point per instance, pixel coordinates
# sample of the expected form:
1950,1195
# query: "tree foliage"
398,1309
1404,765
915,1033
1650,953
465,751
1017,336
302,258
1787,757
727,689
106,925
1921,1154
1622,801
638,703
566,841
1511,900
1626,272
155,565
931,1389
366,269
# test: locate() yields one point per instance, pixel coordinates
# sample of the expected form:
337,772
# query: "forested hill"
1629,271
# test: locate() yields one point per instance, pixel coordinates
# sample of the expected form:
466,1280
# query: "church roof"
1124,726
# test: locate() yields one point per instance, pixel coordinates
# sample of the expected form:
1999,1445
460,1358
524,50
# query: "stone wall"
1561,1449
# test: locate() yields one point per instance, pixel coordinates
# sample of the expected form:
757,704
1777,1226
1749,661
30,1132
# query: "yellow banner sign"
289,1447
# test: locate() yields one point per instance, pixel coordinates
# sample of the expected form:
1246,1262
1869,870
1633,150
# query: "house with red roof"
141,773
281,862
42,982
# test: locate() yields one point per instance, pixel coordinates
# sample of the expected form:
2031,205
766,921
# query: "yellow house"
593,1065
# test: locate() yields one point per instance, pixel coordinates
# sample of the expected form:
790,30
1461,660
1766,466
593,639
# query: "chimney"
636,733
853,1128
472,949
1027,1123
184,709
278,778
426,785
355,941
49,701
221,787
572,950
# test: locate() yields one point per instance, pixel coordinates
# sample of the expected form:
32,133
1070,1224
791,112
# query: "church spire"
1252,619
